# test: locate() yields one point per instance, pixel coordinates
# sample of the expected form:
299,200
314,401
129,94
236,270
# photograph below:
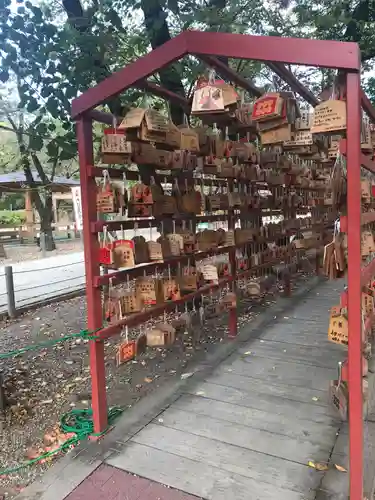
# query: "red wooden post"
91,248
232,324
353,107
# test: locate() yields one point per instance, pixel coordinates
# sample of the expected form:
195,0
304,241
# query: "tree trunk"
157,30
47,242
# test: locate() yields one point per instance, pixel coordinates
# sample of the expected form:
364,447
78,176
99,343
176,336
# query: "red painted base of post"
232,322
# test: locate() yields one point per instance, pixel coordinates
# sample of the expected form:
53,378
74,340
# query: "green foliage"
12,201
343,20
12,218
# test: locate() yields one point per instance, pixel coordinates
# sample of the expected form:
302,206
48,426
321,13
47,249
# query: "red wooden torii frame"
275,52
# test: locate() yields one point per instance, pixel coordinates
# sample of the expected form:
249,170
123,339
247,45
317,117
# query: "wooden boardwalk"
249,429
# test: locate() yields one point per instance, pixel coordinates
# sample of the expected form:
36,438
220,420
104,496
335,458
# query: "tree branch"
39,169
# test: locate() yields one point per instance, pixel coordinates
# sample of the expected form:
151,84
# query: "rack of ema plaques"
243,194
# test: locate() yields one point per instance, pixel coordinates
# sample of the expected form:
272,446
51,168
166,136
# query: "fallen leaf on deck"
340,468
318,466
148,380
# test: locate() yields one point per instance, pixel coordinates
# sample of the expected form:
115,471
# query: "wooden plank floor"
249,430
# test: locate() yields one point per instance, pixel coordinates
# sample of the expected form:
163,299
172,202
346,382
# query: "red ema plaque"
114,131
265,107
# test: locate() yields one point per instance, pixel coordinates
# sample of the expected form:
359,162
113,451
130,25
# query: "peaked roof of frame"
329,54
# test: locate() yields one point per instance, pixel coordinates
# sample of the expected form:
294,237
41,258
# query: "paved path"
36,280
109,483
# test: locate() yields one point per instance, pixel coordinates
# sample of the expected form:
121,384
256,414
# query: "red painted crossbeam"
366,161
367,218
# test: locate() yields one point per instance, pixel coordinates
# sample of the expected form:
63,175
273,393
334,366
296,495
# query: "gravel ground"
43,384
21,253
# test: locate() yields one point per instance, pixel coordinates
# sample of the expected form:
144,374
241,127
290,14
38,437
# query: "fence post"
9,284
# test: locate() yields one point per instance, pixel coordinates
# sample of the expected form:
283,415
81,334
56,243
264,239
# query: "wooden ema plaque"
366,191
150,125
166,205
154,251
277,135
189,139
366,140
228,302
245,152
140,250
169,248
115,148
207,100
213,202
139,210
267,107
210,274
178,240
230,96
339,398
116,254
167,289
338,326
301,138
226,170
367,243
160,335
105,201
243,236
329,116
243,114
131,302
305,121
223,269
126,351
145,289
113,308
189,241
191,202
140,193
229,240
253,288
367,304
234,200
188,280
206,240
147,154
175,248
242,263
123,254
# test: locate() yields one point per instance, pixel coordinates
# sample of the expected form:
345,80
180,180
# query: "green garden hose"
78,422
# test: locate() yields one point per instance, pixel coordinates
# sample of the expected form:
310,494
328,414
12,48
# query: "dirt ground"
20,253
42,385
